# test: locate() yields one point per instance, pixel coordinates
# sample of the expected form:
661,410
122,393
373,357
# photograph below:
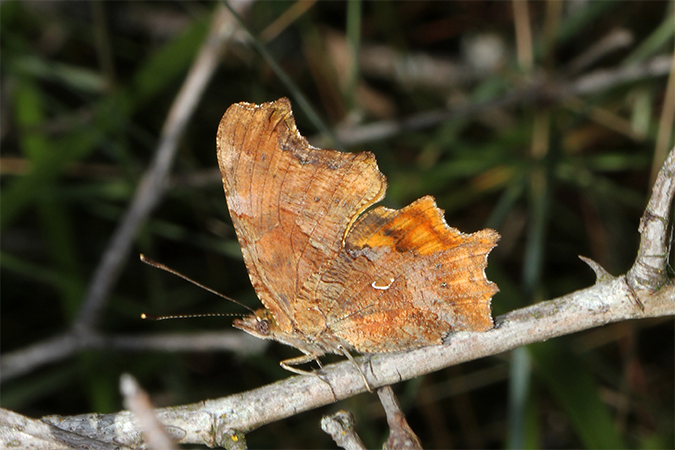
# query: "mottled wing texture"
291,204
405,279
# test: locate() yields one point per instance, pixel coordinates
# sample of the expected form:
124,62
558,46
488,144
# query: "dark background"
558,177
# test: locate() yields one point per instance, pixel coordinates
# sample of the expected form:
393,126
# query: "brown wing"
405,279
291,204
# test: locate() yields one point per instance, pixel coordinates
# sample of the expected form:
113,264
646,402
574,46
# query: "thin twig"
229,341
341,426
538,91
615,40
57,348
401,436
138,402
416,68
649,270
53,349
151,187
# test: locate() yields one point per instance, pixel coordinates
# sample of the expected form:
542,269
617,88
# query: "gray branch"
17,431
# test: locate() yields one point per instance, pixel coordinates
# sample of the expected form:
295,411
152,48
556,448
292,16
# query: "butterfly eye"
264,327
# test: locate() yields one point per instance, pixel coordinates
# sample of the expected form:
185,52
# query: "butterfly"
335,275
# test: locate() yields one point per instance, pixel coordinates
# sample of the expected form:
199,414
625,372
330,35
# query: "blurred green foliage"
85,91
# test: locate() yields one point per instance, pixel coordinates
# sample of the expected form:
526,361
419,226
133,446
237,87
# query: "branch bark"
17,431
401,436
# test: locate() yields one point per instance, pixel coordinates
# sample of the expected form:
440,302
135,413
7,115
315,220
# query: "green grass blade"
656,41
354,43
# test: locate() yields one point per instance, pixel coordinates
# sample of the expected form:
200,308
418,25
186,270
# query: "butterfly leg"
351,358
288,363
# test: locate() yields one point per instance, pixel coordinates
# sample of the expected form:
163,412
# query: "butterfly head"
263,325
260,324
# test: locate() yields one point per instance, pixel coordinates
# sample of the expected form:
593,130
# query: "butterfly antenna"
152,263
187,316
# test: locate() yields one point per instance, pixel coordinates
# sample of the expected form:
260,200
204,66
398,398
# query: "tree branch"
401,436
207,422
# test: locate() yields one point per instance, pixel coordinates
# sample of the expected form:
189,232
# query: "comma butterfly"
334,275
